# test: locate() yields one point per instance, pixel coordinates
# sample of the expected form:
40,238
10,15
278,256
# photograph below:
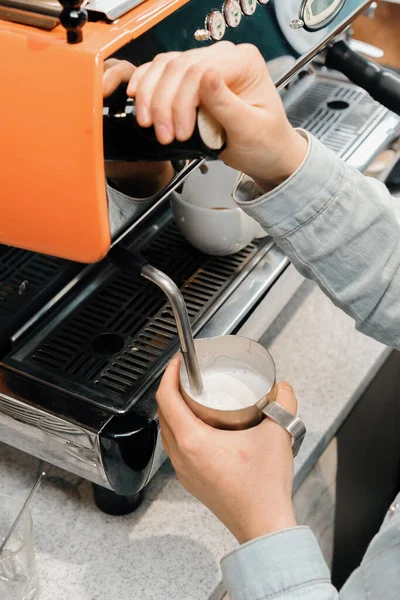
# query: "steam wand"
128,261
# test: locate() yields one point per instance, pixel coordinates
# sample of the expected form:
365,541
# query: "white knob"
202,35
296,24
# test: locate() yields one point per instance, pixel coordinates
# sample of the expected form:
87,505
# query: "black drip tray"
27,281
108,344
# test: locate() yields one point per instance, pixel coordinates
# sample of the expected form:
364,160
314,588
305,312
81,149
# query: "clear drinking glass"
17,560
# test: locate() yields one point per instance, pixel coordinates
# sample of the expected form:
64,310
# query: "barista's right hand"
116,72
138,179
233,83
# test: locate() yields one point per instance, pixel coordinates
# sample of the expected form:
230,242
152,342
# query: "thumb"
286,398
175,411
221,102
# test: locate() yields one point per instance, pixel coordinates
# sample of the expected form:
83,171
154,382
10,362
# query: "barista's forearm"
140,179
341,229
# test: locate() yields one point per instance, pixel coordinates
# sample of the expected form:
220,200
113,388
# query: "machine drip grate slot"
109,347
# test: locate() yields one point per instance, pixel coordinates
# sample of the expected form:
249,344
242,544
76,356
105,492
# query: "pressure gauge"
301,40
215,23
317,14
248,7
232,13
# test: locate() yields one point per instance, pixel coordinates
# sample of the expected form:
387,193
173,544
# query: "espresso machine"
83,339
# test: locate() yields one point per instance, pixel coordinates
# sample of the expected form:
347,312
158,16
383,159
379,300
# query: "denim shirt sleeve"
341,229
288,565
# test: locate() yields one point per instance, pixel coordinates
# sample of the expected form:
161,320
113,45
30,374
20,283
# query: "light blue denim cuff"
275,564
298,199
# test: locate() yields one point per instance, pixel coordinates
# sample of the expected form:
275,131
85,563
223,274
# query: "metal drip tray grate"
109,345
27,280
337,113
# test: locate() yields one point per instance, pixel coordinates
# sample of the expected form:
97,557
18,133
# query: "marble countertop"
170,548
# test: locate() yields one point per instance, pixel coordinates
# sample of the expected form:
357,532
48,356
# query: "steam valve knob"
73,18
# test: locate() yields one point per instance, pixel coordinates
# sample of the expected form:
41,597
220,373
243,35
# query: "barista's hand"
233,83
116,72
244,477
138,179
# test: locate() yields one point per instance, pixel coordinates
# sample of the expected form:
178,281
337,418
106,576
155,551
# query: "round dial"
263,1
216,25
232,13
248,6
301,40
316,14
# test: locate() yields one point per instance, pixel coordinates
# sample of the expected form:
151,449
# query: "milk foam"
230,385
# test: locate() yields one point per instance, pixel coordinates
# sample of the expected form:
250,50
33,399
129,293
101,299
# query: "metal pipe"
183,324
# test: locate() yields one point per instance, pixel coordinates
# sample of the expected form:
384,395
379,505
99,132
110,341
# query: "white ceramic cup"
207,215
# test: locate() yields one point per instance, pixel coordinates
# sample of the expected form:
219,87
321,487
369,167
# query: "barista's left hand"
137,179
244,477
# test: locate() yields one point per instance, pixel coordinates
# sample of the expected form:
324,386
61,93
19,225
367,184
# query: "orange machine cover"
53,194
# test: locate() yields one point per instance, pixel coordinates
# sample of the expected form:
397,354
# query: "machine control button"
296,24
248,7
232,13
202,35
216,24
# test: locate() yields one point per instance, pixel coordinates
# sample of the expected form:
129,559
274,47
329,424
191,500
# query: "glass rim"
30,527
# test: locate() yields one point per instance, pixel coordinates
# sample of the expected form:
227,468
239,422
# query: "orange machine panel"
53,194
